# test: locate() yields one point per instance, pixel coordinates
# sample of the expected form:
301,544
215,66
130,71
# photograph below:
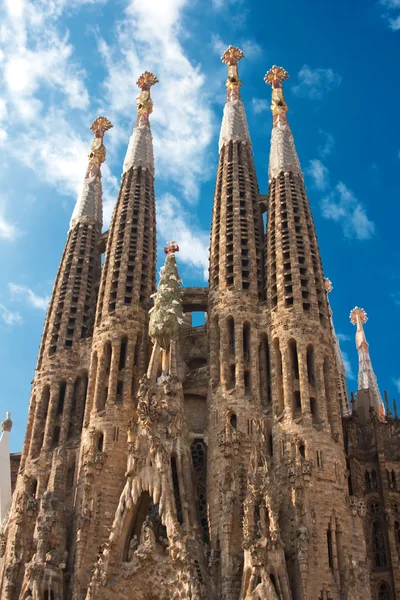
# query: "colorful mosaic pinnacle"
98,153
171,248
274,78
328,285
145,103
358,316
231,57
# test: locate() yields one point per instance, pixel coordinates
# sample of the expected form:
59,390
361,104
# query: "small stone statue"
133,544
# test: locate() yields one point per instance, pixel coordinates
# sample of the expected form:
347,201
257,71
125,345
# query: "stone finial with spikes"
98,153
366,376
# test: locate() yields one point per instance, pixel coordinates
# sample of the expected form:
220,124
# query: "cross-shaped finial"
275,76
146,80
232,55
171,248
358,315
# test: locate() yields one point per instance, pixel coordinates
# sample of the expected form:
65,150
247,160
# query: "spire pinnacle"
98,153
140,148
171,248
234,122
144,101
366,375
89,203
274,77
231,57
6,425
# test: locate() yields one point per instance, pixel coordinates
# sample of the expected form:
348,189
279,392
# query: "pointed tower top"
171,248
89,203
283,155
140,148
234,123
366,375
6,425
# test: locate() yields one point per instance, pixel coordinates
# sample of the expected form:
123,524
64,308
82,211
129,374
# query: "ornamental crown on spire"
144,101
231,57
98,153
274,77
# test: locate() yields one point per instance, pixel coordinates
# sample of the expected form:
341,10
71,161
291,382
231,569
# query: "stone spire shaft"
341,382
305,396
236,289
120,336
366,376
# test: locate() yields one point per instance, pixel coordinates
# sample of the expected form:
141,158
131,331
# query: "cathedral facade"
222,462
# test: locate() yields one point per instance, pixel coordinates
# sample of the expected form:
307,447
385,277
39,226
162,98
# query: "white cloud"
8,230
320,174
24,293
342,206
173,223
182,122
396,382
391,17
260,105
328,143
343,337
249,47
314,83
347,366
8,317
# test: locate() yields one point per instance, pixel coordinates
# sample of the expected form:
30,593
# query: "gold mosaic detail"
274,78
99,127
144,101
231,57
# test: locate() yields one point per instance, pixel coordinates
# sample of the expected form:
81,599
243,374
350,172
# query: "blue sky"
62,62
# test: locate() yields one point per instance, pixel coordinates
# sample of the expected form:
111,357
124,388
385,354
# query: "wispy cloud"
182,121
8,230
9,317
25,294
259,105
392,16
343,337
325,149
339,204
174,223
396,381
315,83
319,173
250,47
342,206
347,365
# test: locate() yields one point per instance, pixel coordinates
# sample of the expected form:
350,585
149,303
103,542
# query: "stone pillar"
5,468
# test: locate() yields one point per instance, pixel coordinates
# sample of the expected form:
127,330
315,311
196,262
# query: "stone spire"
5,469
89,207
234,122
140,148
366,375
283,155
342,387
